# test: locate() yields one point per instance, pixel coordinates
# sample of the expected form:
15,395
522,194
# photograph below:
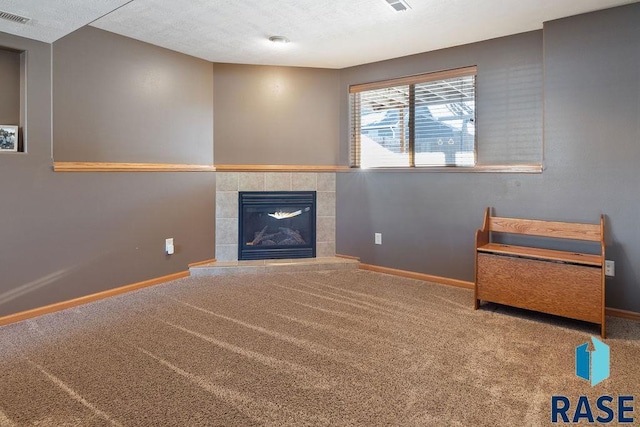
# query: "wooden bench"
563,283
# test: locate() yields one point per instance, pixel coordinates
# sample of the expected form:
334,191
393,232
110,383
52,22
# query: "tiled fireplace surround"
228,184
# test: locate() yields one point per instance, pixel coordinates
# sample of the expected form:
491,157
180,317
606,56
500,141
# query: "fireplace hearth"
276,224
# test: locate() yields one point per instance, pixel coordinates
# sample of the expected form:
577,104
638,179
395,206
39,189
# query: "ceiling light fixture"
279,39
398,5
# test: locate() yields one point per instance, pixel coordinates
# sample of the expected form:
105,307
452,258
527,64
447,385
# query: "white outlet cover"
378,238
609,268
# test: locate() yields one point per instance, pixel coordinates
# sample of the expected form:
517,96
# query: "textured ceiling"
323,33
52,19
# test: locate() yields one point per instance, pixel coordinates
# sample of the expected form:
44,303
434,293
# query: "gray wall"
120,100
9,87
592,132
65,235
509,93
591,115
276,115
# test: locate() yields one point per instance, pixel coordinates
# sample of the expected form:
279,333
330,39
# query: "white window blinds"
424,120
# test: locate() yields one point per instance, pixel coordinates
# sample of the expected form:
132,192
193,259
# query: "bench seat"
545,254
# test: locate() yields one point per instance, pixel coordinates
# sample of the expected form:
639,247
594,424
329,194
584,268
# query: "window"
423,120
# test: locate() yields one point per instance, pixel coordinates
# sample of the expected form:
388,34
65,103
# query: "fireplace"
276,224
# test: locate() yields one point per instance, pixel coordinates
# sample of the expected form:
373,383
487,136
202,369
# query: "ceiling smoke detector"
14,18
398,5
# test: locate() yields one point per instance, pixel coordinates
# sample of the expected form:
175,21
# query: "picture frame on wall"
8,138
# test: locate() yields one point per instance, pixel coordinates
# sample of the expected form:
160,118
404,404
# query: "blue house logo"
593,365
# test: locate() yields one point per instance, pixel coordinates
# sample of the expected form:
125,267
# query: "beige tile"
327,181
326,203
226,181
236,263
334,263
351,266
274,266
251,181
329,260
278,181
290,268
226,231
304,181
326,229
222,271
251,262
291,261
325,249
226,204
223,264
226,252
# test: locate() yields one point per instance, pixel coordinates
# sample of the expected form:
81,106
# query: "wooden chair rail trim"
52,308
280,168
545,254
533,227
534,168
523,168
129,167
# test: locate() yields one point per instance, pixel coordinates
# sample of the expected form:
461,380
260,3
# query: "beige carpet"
316,348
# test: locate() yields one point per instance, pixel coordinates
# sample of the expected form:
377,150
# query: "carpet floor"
308,348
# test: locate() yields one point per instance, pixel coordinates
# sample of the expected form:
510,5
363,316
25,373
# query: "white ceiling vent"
14,18
398,5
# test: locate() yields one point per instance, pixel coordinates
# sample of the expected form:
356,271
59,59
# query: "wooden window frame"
411,81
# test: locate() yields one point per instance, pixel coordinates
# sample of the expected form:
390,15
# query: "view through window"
423,120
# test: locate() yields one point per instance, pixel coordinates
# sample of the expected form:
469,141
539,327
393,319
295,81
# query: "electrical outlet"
609,268
168,246
378,238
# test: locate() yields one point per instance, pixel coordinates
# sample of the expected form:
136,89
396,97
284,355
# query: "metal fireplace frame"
283,199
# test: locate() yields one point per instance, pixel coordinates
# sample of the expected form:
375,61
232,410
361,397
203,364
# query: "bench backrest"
532,227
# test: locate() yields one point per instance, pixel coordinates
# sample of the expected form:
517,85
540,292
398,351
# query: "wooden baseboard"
613,312
354,258
419,276
28,314
625,314
207,261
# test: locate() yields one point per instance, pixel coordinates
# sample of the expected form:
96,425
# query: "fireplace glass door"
276,225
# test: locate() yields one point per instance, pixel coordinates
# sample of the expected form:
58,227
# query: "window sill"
523,168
